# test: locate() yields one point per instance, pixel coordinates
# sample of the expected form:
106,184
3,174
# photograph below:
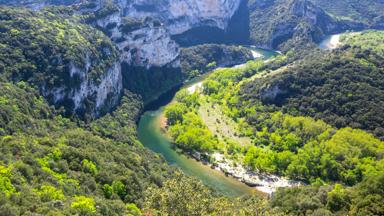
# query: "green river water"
150,134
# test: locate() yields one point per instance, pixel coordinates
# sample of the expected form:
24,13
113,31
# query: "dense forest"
344,88
54,165
369,12
51,165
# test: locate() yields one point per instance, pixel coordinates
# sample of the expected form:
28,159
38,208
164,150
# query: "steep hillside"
49,165
365,198
277,23
143,33
273,23
368,12
53,165
73,65
314,122
344,88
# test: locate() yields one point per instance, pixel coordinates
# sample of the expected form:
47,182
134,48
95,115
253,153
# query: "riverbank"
262,182
219,125
152,133
152,136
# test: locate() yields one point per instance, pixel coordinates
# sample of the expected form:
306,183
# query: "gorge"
151,134
170,107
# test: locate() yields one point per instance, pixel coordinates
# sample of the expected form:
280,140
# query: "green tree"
175,112
108,191
211,87
338,199
48,193
133,210
83,205
89,166
119,188
5,182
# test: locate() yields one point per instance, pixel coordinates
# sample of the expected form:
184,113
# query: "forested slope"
53,163
368,12
273,23
344,88
284,24
49,164
72,65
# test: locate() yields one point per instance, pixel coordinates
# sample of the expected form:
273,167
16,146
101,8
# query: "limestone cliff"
180,16
143,30
73,65
92,97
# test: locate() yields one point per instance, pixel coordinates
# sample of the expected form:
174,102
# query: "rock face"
142,29
147,45
91,96
180,16
271,93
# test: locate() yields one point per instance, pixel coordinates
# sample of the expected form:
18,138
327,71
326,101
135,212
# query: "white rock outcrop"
104,92
182,15
151,44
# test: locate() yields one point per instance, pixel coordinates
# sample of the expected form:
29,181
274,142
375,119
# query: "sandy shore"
163,122
267,183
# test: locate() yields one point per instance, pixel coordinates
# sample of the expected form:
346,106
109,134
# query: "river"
151,136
